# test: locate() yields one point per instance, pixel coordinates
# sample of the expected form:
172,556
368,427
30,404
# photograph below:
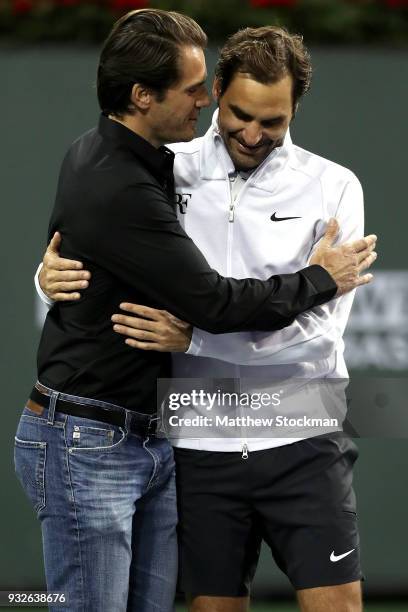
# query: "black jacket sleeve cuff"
322,282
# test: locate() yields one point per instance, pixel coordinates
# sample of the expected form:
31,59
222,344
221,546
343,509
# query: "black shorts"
298,498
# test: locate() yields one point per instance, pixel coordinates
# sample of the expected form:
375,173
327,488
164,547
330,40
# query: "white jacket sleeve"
314,334
44,298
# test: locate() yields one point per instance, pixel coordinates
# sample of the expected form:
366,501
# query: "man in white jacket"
257,205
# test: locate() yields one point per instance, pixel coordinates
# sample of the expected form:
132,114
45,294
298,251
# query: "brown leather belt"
140,424
34,407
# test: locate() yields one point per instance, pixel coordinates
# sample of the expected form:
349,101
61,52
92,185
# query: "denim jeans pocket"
87,435
29,461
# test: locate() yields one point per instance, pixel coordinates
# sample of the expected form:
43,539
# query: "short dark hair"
143,47
267,54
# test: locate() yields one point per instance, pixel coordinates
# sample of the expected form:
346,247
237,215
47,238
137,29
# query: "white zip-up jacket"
239,239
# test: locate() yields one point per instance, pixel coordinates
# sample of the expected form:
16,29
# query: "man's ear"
216,89
141,97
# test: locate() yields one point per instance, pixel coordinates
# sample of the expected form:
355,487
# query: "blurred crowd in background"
320,21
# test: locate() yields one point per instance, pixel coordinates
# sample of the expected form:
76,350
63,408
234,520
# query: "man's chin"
188,133
184,136
244,163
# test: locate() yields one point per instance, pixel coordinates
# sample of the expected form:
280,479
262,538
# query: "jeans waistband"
93,408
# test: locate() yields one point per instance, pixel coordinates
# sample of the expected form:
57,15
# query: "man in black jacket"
105,485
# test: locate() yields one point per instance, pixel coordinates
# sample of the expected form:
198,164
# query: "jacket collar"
158,161
215,162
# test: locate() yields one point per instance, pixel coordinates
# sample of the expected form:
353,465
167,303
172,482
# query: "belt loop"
51,407
128,420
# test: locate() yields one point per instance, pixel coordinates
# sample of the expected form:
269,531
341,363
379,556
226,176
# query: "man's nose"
252,135
204,100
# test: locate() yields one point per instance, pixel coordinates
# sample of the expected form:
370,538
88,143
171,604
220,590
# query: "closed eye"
266,123
240,114
272,122
195,88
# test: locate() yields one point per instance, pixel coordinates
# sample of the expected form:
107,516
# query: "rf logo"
181,200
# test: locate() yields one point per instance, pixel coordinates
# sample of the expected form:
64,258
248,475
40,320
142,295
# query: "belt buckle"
143,429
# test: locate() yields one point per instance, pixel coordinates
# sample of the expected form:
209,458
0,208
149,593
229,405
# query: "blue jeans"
106,501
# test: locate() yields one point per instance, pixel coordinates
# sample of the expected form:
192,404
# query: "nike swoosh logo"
275,218
335,558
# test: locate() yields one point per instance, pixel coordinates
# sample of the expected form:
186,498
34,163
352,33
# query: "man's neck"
136,124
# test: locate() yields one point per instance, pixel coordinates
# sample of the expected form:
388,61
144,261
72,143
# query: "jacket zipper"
231,218
230,227
231,211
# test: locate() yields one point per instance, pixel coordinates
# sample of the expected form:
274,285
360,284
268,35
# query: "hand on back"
61,279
